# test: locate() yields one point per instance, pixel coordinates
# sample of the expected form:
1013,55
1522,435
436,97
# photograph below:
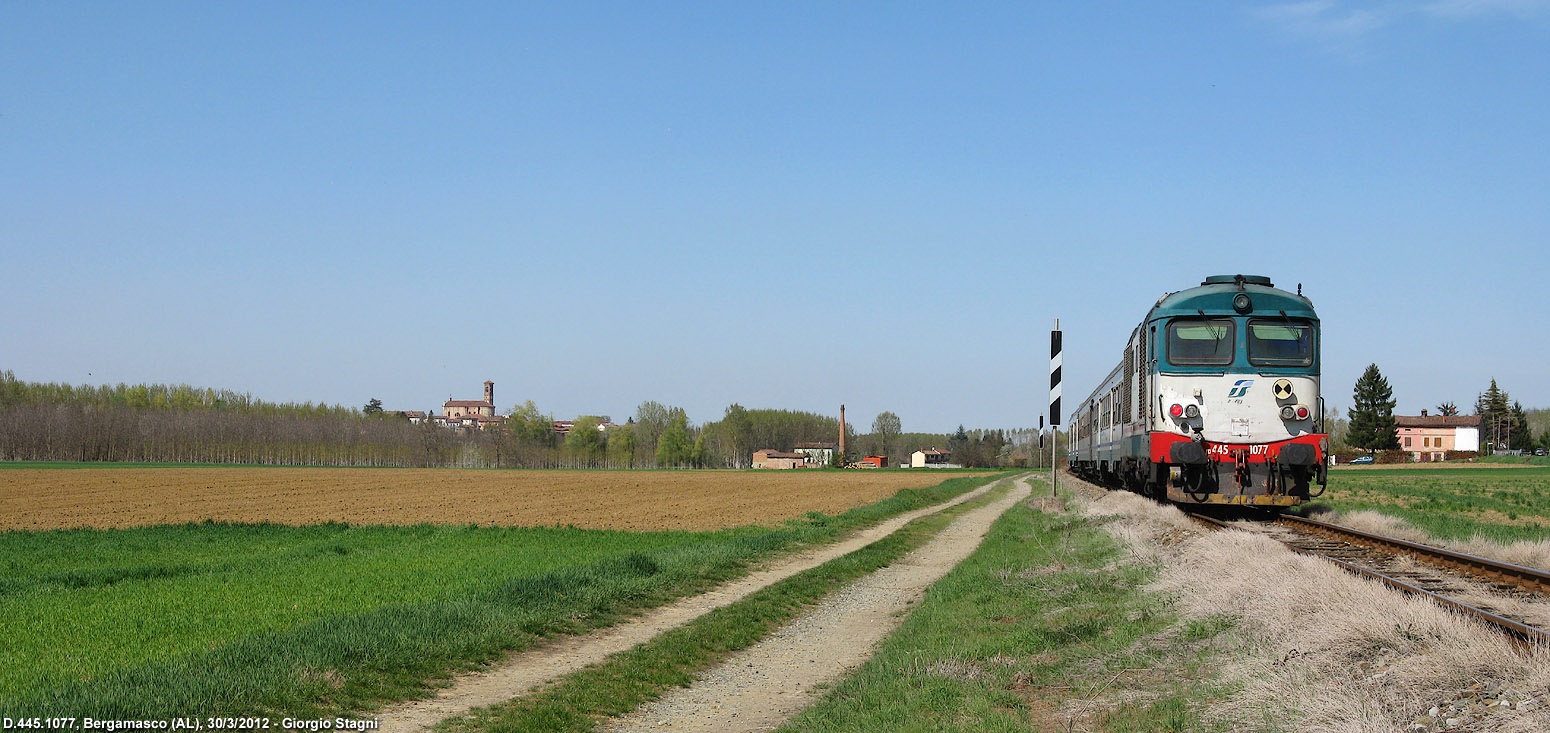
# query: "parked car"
1363,459
1539,451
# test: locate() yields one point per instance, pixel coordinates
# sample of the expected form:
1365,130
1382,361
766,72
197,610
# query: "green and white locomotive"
1216,400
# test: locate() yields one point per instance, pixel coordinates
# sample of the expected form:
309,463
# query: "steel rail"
1519,631
1529,579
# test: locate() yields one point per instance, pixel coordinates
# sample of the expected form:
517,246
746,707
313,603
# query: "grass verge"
205,619
1502,505
1043,627
1516,460
673,659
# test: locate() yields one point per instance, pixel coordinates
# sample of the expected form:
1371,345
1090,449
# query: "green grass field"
675,658
215,618
1046,612
1502,504
1516,460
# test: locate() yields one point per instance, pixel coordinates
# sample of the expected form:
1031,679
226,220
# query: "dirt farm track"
37,499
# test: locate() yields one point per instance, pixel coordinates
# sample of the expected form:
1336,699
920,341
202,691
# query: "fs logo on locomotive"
1240,388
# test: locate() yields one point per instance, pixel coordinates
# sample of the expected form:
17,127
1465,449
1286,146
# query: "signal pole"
1054,403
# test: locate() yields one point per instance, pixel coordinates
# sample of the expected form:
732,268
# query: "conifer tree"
1495,417
1372,413
1522,437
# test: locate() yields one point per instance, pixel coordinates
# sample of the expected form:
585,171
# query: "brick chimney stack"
842,433
489,392
1423,412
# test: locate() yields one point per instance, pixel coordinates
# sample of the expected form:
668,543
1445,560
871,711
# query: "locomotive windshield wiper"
1295,329
1205,321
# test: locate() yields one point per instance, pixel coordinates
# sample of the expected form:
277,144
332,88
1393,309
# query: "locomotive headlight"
1302,412
1177,410
1288,412
1191,411
1242,303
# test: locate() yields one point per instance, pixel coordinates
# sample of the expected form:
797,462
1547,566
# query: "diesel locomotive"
1215,401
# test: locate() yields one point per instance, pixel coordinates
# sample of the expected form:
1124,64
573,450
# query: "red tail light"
1302,412
1176,411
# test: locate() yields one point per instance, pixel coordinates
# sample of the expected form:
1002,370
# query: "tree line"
185,424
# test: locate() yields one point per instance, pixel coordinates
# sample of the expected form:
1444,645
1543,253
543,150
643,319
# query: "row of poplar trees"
184,424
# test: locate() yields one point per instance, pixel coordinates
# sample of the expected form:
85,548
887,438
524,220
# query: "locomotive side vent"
1142,368
1128,392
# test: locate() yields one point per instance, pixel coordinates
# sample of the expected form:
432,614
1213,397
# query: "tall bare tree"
886,429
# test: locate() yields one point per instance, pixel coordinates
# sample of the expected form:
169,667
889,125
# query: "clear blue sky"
776,204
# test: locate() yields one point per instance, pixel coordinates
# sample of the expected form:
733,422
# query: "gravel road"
766,684
524,671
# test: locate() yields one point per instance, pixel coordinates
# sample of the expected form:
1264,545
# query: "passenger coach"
1215,401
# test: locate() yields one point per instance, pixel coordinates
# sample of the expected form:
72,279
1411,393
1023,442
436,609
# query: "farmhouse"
777,459
818,454
931,458
1430,437
563,427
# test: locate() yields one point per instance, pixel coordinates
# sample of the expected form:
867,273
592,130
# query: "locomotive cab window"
1280,343
1200,343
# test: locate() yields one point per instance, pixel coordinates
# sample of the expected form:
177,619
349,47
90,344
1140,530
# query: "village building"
779,459
465,408
1430,437
931,458
470,414
818,453
563,427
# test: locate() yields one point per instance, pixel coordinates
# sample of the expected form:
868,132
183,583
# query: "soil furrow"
40,499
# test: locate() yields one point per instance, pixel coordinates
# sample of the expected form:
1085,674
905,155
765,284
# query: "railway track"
1503,595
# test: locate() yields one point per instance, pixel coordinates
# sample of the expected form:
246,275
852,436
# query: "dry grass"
1338,653
36,499
1529,553
1532,609
1314,648
1149,530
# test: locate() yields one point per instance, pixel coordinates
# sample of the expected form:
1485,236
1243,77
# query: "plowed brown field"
633,500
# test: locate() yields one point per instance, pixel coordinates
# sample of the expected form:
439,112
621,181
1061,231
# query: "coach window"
1280,342
1200,343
